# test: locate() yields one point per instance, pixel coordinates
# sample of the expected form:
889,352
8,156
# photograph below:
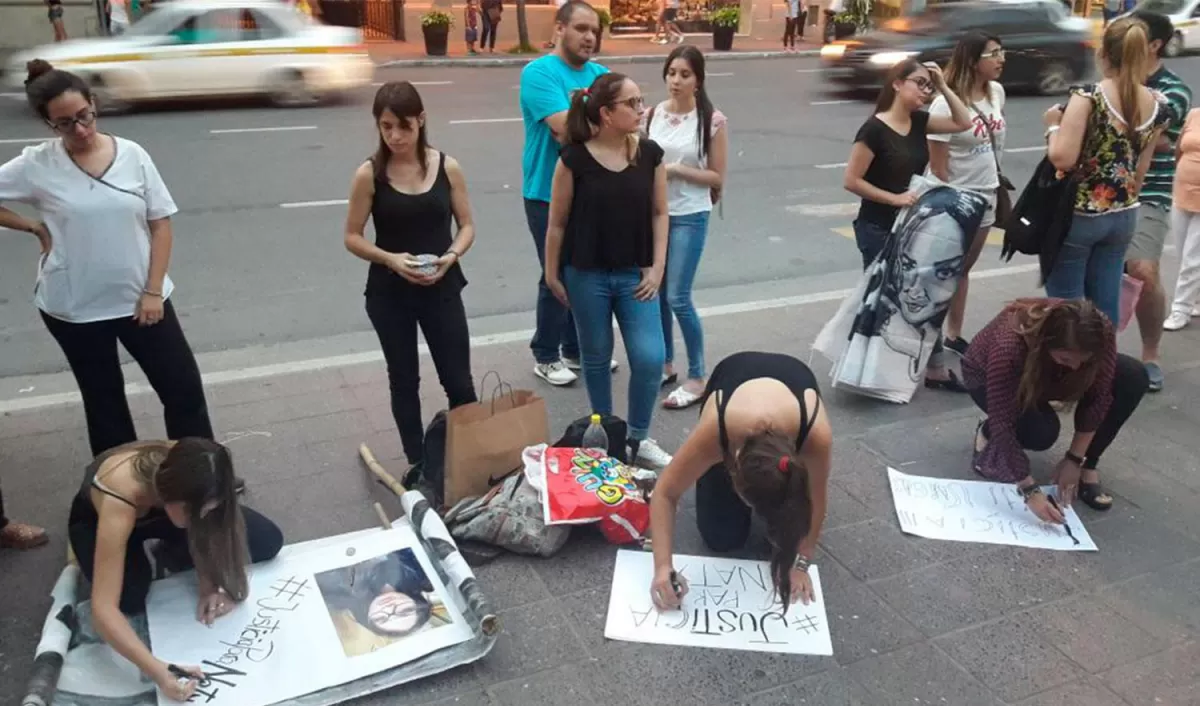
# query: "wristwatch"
801,563
1074,458
1029,491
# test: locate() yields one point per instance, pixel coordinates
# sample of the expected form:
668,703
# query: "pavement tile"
1092,634
1130,544
919,675
956,594
943,436
830,688
1085,692
15,425
556,687
1171,678
860,623
510,582
269,411
291,385
585,562
875,549
1166,604
862,473
1011,657
457,686
535,637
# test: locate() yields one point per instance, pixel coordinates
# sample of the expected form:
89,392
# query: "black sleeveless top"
418,224
738,368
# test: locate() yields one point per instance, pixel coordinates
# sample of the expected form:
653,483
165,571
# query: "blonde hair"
1126,48
1048,325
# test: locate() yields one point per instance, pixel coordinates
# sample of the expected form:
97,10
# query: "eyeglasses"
86,118
634,103
923,84
993,54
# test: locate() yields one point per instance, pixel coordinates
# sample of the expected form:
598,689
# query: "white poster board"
315,618
731,604
979,511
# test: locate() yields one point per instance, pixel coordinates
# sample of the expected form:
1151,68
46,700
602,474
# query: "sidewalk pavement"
613,50
913,620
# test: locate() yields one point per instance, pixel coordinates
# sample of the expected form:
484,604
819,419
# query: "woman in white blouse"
105,234
695,145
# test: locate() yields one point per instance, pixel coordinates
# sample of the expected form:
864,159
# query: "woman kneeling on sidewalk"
762,445
1035,351
182,495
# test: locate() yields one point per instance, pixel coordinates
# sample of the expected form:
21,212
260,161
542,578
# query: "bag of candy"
586,485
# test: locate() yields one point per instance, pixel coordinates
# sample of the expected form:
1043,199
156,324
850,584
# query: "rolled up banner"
451,566
57,630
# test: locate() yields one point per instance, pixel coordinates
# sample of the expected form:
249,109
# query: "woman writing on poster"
1035,351
181,494
762,445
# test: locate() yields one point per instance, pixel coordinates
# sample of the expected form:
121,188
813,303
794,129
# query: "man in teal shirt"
546,87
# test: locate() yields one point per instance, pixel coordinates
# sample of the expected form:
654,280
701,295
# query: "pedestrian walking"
1110,130
181,495
890,148
763,446
1185,223
493,12
412,192
971,159
54,11
19,535
668,23
695,144
1034,352
105,234
793,23
1154,214
546,87
606,248
471,23
118,17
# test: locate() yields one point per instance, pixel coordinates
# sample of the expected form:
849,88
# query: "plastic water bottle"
595,437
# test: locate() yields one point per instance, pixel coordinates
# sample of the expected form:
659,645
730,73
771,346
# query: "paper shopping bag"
484,440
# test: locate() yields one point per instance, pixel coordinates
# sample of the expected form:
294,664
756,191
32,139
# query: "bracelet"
453,252
1074,458
1051,130
801,563
151,293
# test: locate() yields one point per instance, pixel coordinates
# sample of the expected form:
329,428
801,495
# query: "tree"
523,44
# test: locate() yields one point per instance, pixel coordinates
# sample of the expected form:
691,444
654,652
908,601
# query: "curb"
606,60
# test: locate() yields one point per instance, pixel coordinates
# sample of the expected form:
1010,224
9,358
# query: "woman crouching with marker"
762,445
180,493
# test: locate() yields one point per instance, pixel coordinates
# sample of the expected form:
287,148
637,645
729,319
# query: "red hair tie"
783,463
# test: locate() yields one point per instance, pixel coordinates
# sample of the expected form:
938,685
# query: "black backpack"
431,472
615,427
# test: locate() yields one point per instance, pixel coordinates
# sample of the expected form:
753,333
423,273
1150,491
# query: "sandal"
668,380
17,535
950,384
681,398
1094,496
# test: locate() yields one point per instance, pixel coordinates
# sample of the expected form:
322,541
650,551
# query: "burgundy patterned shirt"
994,361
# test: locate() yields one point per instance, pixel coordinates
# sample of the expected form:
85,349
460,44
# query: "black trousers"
162,352
722,517
263,537
443,321
1038,428
487,37
791,25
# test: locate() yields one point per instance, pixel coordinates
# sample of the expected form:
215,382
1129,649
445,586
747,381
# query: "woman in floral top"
1107,133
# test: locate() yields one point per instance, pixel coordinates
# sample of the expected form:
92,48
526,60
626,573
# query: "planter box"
723,38
436,38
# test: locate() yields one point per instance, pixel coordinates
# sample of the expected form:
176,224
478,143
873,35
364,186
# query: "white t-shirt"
117,13
100,258
677,135
972,162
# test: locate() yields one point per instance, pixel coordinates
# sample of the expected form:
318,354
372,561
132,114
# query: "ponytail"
1126,48
583,117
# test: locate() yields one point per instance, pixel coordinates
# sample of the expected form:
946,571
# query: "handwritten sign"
978,511
731,604
313,620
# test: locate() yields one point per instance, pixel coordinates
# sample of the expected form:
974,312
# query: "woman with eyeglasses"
606,248
105,236
890,148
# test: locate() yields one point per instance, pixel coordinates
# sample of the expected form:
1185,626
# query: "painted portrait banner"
314,619
731,604
979,511
884,334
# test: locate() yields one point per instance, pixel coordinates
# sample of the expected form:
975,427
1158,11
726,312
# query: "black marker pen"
180,673
676,586
1066,526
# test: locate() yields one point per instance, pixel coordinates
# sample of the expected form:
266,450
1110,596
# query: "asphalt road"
259,259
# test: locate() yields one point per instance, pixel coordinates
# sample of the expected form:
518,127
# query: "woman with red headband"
762,445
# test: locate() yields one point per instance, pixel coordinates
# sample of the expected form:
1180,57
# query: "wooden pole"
380,472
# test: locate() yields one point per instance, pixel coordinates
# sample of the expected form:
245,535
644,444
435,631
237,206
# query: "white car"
1185,15
199,48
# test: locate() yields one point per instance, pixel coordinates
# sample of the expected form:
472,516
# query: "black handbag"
1042,215
1004,205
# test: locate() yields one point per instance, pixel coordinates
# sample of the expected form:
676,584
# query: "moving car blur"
1046,49
206,48
1185,15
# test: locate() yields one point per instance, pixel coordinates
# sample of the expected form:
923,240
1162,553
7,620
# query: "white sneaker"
1176,321
650,454
574,364
555,373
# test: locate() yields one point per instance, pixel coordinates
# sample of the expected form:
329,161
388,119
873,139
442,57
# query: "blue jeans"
684,249
555,336
596,296
1092,260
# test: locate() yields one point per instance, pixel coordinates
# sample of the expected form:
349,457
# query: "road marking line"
837,102
480,121
809,71
314,204
729,73
277,128
375,356
377,84
1014,150
835,165
24,141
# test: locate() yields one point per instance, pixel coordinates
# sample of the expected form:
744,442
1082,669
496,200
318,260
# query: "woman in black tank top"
762,445
183,496
413,193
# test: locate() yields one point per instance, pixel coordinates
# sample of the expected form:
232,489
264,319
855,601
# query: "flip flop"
681,398
17,535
